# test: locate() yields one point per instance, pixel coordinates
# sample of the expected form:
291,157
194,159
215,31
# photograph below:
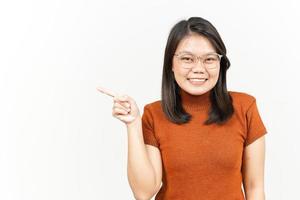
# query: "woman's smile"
197,82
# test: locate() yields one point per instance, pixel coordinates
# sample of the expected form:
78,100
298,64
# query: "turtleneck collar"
195,102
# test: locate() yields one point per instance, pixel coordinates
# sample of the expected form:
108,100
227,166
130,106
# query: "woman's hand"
124,107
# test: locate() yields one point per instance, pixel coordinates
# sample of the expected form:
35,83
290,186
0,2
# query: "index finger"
106,91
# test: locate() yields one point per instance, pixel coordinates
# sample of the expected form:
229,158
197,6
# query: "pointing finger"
106,91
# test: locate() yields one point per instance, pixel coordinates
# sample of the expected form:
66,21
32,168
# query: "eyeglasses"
188,60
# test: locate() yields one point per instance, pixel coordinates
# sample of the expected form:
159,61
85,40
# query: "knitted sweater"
202,161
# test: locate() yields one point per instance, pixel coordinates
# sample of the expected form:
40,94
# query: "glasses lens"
212,58
187,58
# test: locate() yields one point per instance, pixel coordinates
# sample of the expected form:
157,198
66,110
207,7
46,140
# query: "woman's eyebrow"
210,52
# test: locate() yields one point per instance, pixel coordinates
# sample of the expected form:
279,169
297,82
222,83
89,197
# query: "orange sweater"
200,161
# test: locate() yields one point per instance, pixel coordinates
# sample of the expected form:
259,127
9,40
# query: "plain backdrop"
58,138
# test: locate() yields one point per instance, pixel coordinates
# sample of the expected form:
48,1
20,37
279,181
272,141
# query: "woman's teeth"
197,81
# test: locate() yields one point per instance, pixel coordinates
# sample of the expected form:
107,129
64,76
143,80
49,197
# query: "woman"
199,141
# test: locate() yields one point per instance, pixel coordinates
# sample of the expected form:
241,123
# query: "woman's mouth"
197,81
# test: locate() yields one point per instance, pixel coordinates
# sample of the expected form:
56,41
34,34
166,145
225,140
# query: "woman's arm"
253,170
141,175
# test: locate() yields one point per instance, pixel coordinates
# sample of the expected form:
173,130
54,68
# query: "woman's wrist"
135,123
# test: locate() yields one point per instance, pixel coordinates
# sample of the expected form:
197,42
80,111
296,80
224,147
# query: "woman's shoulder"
242,98
153,105
154,108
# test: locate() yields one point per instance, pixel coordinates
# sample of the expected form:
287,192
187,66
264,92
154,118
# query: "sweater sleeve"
255,125
148,127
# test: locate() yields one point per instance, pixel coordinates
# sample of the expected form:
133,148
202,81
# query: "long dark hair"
221,102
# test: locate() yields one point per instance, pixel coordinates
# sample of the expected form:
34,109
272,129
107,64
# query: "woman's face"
197,45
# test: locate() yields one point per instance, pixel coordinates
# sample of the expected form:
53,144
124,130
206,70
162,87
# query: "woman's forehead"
195,44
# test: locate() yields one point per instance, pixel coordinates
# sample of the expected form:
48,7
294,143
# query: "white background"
58,139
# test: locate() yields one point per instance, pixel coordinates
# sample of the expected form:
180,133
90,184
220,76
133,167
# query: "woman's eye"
210,59
186,58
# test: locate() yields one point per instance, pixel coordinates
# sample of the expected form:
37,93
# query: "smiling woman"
199,135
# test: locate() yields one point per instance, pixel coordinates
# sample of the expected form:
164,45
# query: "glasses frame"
198,58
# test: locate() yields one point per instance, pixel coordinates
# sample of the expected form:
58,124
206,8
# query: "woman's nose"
198,67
